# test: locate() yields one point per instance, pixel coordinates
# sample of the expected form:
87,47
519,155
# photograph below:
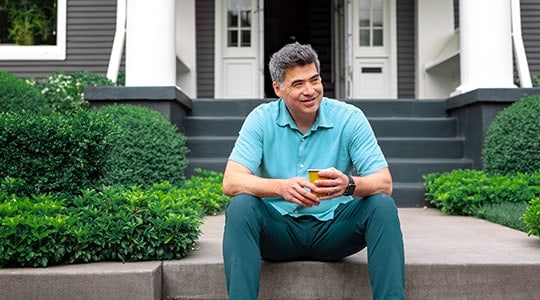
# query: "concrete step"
103,280
446,257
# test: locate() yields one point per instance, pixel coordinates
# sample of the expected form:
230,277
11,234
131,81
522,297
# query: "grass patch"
506,214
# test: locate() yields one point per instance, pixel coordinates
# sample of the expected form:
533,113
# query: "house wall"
204,25
90,34
406,48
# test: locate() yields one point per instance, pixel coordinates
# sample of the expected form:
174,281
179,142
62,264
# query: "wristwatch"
349,190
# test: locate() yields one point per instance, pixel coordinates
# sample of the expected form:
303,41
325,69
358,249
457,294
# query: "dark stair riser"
372,108
392,147
403,170
383,127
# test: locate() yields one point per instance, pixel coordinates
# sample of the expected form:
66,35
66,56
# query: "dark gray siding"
90,34
530,19
204,11
406,48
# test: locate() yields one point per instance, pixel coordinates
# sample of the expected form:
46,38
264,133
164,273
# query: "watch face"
349,190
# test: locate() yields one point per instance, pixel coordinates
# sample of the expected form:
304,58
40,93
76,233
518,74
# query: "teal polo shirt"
270,145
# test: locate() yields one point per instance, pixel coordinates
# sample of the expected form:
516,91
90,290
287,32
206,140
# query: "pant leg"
371,222
241,255
384,240
254,228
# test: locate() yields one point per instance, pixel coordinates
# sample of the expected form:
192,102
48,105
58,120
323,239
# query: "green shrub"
113,223
54,153
64,92
33,231
506,214
531,218
205,188
17,95
147,148
119,224
463,192
513,140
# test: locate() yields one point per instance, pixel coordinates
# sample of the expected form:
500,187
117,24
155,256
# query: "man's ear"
277,90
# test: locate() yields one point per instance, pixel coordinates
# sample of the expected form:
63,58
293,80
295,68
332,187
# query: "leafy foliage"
113,223
532,217
65,91
54,153
18,95
33,230
147,148
463,192
513,140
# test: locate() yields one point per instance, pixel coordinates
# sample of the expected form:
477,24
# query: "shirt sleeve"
248,148
364,150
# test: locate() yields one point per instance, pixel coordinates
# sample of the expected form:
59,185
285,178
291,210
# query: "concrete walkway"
447,257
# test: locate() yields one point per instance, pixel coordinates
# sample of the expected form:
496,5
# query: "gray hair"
291,55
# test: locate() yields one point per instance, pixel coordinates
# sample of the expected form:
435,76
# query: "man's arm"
238,179
374,183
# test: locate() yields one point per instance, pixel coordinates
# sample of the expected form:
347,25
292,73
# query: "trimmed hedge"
513,140
146,147
18,95
54,153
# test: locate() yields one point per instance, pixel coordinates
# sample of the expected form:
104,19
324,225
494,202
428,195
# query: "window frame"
41,52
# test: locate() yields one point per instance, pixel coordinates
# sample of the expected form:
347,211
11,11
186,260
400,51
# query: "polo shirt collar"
323,120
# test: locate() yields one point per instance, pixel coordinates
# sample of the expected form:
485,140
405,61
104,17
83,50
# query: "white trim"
41,52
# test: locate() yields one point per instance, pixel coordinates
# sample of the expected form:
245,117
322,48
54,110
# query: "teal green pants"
254,230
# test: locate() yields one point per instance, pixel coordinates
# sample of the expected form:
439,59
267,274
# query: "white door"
373,48
237,72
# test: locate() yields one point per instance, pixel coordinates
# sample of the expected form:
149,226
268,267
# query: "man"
277,214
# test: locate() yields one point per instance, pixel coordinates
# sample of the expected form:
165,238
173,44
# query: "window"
371,25
33,29
239,23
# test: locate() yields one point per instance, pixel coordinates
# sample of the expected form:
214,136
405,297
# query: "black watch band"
349,190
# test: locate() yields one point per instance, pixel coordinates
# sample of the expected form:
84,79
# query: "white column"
150,43
485,45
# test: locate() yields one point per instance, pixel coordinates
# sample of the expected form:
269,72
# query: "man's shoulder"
340,106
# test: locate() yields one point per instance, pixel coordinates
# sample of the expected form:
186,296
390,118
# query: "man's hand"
294,190
332,183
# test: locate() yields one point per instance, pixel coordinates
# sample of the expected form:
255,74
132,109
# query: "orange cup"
313,175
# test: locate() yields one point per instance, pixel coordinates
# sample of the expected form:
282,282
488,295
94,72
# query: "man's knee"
382,206
243,205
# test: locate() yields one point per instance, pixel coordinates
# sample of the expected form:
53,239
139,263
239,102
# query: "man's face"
302,90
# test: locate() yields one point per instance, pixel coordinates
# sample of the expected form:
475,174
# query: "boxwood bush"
146,147
513,139
54,153
16,94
